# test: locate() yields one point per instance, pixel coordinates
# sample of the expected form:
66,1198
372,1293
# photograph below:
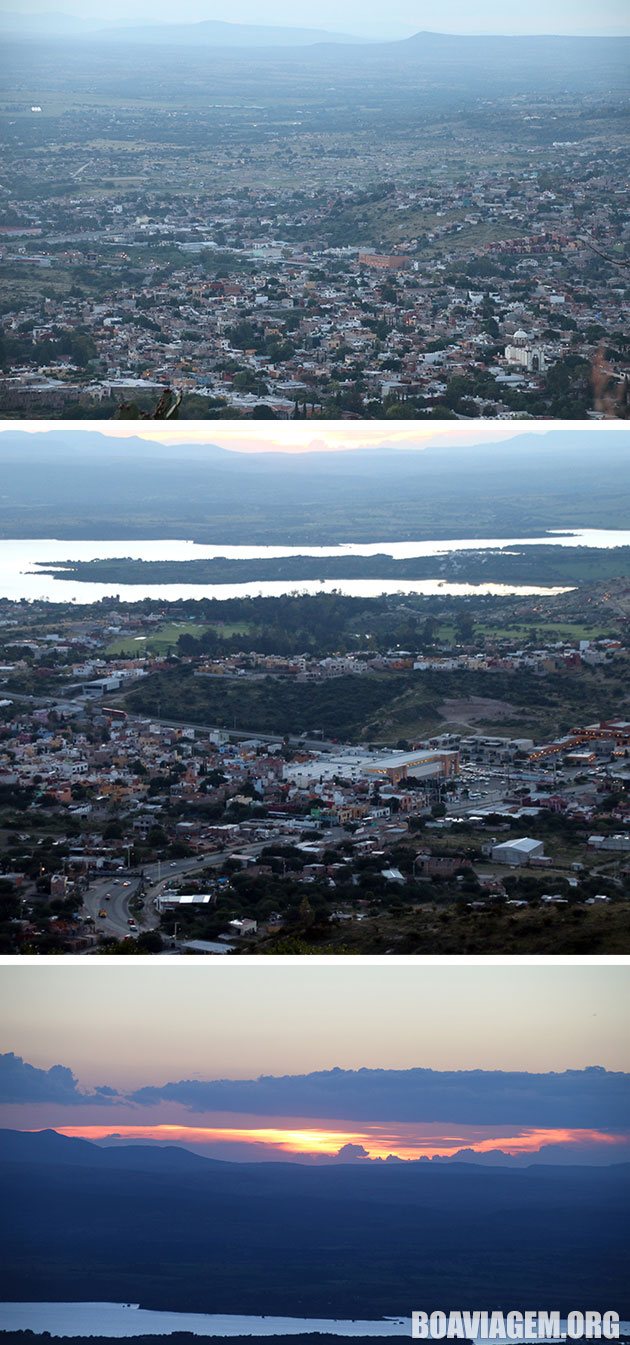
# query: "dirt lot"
476,710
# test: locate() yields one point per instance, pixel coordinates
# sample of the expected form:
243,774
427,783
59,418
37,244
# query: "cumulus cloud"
24,1083
351,1153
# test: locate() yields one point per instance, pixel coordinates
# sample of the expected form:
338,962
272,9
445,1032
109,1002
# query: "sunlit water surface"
21,559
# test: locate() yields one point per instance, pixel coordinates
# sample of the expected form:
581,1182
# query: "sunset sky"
254,1062
323,436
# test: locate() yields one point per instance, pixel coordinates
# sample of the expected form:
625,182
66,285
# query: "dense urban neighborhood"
159,797
314,670
292,251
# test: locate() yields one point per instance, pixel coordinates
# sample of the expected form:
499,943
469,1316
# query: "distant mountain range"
209,32
218,34
80,483
177,1157
367,1240
88,446
39,25
48,1146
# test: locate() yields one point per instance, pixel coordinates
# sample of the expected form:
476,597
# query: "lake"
21,577
125,1320
119,1319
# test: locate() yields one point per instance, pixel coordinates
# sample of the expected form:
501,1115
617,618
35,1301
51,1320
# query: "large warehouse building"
393,767
518,852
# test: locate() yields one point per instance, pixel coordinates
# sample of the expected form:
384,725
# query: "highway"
464,808
108,894
240,735
73,704
111,895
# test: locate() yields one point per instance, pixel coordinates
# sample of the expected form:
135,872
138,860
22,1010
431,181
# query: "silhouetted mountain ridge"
352,1240
80,483
49,1147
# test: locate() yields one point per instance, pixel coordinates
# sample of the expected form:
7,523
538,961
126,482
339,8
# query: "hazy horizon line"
97,24
303,438
319,1142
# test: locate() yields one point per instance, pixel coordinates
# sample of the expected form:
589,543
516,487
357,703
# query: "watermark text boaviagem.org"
524,1326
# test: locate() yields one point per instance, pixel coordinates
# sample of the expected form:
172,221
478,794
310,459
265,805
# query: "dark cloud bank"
593,1098
24,1083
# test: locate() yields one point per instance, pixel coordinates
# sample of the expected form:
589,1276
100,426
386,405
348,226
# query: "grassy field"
159,642
165,638
521,630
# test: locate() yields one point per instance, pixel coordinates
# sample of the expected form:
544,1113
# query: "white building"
172,901
360,765
243,927
522,353
620,842
518,852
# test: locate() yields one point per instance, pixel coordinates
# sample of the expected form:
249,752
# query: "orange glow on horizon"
320,436
319,1141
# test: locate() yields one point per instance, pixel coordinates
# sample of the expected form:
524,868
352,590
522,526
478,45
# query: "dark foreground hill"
350,1240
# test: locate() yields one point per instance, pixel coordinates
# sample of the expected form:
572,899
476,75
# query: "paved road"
108,894
111,895
241,735
466,808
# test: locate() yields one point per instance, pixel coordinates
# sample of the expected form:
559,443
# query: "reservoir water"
126,1320
21,561
119,1319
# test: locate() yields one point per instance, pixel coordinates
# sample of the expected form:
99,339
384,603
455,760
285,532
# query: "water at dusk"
21,577
125,1320
119,1319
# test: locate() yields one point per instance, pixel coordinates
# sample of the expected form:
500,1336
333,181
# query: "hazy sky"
329,436
131,1025
400,17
